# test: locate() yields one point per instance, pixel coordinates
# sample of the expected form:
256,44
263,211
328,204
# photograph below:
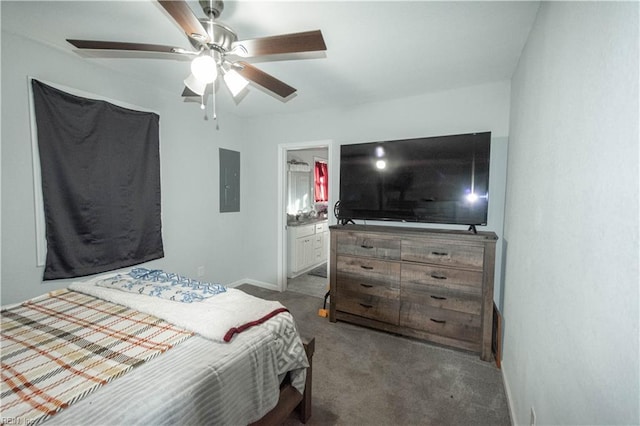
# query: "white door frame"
283,148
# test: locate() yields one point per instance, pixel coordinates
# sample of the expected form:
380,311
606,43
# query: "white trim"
282,190
41,239
261,284
507,391
281,273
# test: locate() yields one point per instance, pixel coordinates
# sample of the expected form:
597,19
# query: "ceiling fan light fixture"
204,68
213,43
235,82
195,85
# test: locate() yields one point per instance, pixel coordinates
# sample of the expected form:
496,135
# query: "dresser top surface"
419,232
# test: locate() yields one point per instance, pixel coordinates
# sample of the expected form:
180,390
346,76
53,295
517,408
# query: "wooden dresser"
430,284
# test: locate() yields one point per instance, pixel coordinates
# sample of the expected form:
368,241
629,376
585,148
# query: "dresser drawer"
368,246
458,255
368,306
371,284
368,286
368,271
441,298
457,280
443,322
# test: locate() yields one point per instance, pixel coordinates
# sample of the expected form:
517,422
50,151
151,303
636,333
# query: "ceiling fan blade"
117,45
183,15
265,80
309,41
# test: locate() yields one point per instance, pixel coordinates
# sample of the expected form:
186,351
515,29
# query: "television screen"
441,179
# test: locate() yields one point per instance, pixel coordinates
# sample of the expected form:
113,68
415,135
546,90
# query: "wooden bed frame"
290,399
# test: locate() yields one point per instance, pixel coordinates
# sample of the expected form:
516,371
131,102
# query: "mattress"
200,380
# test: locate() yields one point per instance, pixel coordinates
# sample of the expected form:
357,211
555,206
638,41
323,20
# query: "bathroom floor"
310,285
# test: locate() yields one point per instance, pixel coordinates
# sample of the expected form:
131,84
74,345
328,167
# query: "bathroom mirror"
300,193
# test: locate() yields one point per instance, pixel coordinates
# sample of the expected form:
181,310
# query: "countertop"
307,221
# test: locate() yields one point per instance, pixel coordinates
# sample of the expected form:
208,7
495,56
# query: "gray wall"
571,222
470,109
195,233
231,246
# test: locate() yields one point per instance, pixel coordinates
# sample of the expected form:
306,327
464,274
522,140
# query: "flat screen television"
442,180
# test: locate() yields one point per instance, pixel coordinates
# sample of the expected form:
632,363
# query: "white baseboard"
261,284
507,391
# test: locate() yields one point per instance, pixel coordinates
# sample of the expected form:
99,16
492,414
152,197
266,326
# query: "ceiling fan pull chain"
215,116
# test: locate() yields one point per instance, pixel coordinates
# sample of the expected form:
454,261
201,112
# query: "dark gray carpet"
366,377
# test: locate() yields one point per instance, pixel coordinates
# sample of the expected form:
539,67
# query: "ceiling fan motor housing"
221,37
212,9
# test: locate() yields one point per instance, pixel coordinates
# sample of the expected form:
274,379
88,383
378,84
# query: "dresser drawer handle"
364,305
366,267
438,321
439,253
438,297
366,247
366,285
438,277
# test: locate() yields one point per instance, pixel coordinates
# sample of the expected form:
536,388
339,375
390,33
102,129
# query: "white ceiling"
376,50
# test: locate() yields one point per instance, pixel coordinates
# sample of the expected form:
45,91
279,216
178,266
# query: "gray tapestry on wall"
100,168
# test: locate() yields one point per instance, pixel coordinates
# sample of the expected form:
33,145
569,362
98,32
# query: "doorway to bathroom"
304,216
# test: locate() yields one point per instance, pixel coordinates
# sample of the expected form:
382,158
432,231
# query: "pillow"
161,284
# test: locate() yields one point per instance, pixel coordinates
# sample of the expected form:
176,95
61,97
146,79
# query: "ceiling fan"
217,50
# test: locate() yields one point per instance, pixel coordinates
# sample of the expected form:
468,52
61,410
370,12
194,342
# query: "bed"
93,352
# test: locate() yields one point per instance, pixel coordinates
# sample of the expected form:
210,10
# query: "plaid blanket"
60,347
